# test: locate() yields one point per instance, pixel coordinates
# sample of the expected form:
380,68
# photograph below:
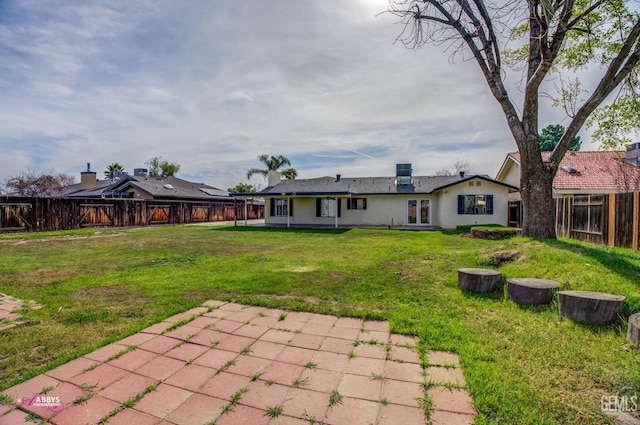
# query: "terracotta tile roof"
596,170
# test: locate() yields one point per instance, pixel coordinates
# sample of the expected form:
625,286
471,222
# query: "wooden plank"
636,224
612,220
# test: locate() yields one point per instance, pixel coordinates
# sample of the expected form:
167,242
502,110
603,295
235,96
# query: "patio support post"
288,209
245,210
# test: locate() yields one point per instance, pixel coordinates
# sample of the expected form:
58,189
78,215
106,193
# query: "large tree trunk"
536,191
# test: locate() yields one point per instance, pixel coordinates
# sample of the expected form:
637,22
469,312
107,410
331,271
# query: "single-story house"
596,195
141,186
402,200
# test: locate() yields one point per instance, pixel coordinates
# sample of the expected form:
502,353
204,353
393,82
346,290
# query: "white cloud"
211,85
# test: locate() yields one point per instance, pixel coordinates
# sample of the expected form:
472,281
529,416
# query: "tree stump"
597,308
531,291
633,333
478,280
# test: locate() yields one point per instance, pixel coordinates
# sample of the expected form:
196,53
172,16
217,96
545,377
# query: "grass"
523,365
335,398
274,411
300,382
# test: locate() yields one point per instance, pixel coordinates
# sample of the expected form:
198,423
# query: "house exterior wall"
138,194
511,175
448,204
391,210
382,210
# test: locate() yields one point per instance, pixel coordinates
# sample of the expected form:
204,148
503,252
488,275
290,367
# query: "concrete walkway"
230,364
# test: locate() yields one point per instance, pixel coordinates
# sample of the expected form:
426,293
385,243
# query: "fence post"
636,224
611,240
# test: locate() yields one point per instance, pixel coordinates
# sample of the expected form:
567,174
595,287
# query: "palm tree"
273,163
290,173
111,168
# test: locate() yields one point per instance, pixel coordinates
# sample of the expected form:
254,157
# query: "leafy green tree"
273,163
551,135
111,168
556,36
31,182
159,167
244,188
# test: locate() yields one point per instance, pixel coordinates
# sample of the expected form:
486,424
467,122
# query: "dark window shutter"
339,207
489,204
460,204
318,207
349,201
364,203
272,207
290,207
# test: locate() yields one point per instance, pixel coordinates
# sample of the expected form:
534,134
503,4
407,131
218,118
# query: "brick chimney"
274,178
88,178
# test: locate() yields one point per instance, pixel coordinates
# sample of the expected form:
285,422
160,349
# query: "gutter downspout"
245,210
288,210
336,225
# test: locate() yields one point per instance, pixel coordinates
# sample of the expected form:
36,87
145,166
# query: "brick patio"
236,364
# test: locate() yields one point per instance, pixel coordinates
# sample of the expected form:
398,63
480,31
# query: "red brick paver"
250,365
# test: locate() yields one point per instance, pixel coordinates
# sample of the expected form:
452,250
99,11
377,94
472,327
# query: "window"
475,204
281,207
403,180
587,213
328,207
357,203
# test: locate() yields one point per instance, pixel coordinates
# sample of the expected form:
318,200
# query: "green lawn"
522,364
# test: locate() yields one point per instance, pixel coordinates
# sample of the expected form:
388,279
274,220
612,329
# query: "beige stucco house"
400,201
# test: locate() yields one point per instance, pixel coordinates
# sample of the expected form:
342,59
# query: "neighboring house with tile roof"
140,186
596,195
403,200
582,173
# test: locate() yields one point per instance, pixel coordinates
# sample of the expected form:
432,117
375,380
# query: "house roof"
579,171
76,191
348,186
170,187
158,187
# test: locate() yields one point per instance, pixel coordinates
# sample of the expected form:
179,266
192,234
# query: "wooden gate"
96,215
199,213
158,214
14,217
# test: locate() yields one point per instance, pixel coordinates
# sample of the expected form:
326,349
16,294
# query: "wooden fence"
26,214
607,219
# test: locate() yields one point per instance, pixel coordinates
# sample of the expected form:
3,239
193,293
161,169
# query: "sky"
211,85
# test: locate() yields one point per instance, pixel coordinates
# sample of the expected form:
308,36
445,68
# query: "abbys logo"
50,403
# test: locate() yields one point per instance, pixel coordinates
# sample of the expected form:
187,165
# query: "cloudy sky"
213,84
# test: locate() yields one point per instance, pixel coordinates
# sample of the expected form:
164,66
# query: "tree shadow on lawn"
623,262
618,260
269,229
